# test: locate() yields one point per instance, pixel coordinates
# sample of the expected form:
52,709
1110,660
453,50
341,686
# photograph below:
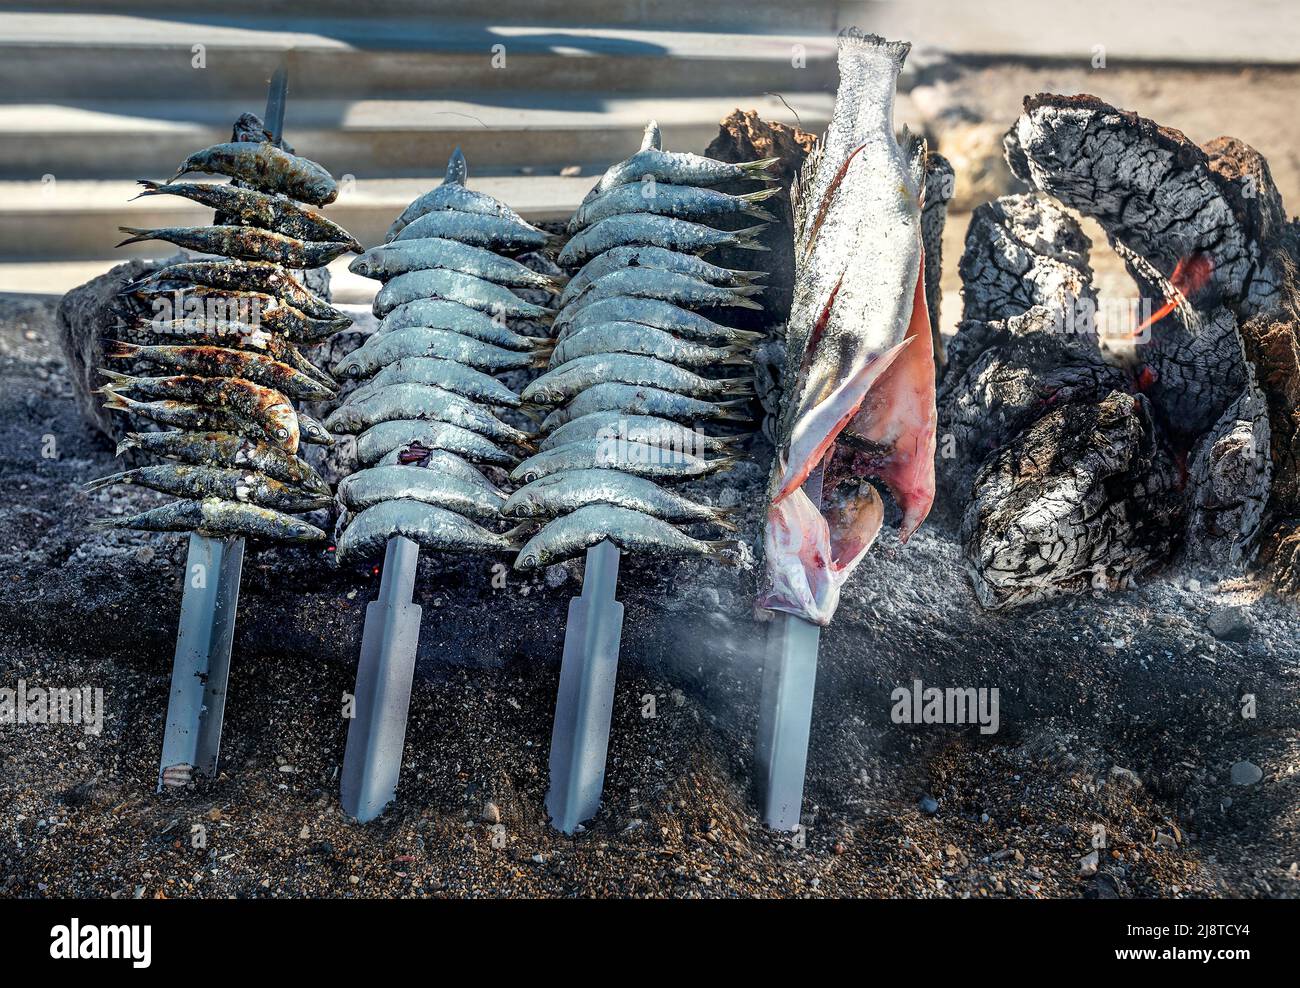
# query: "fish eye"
529,561
282,433
530,476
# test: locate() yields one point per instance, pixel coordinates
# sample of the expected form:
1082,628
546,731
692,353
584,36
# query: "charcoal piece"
1086,498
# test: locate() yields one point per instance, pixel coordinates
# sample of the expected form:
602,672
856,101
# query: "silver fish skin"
264,310
445,374
427,525
441,313
458,287
635,338
197,482
673,319
227,449
270,212
647,429
629,456
685,202
384,437
859,352
497,233
567,380
561,493
367,488
313,432
443,462
265,167
387,261
666,286
217,518
680,168
421,401
633,399
632,531
452,194
423,341
247,243
618,258
648,229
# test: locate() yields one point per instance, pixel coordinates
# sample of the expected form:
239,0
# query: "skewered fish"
632,531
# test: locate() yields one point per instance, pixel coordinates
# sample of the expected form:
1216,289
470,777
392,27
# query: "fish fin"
518,535
757,213
815,431
737,386
115,381
748,336
457,168
150,189
730,411
852,41
748,289
735,440
121,350
652,139
903,418
758,170
130,441
748,276
724,463
739,301
914,151
109,481
725,552
117,402
137,235
760,194
722,518
747,239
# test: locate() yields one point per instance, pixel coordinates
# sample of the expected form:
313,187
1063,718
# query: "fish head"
812,549
521,504
282,424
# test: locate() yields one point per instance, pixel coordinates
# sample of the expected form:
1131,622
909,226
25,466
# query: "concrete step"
373,138
50,57
808,15
70,220
55,278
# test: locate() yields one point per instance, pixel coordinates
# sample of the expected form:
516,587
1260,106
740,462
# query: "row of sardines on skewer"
640,361
219,347
430,415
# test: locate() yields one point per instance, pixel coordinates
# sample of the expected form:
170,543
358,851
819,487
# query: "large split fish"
859,354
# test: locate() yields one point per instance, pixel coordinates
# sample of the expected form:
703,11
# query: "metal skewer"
372,761
580,737
785,707
196,704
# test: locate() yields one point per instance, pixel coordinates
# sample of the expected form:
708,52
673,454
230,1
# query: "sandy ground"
1132,682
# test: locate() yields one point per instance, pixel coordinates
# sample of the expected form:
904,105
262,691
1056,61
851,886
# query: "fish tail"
737,386
724,463
131,441
748,289
740,301
103,524
120,350
734,440
722,518
517,536
150,188
760,194
540,357
747,239
116,478
725,552
137,235
748,336
115,381
732,411
748,276
117,402
758,213
758,170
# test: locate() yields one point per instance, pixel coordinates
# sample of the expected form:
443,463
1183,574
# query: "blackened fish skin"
216,518
265,167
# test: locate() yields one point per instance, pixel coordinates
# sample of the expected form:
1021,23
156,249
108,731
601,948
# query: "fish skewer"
426,416
620,420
